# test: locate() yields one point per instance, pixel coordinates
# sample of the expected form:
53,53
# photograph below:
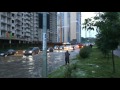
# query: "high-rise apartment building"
51,26
75,27
69,27
25,26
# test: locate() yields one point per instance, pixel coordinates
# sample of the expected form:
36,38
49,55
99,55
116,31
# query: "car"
50,49
68,47
80,45
31,51
4,53
61,47
56,47
11,51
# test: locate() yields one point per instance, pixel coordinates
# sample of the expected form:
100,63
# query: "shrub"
85,52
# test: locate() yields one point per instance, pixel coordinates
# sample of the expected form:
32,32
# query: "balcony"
35,36
9,23
4,14
28,14
27,34
3,29
18,33
18,29
4,21
27,30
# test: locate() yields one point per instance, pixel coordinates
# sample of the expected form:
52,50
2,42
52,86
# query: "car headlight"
30,51
2,54
24,51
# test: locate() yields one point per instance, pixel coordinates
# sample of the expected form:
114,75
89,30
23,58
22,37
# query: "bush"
85,52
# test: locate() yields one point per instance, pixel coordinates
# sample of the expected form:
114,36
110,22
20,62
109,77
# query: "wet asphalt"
31,66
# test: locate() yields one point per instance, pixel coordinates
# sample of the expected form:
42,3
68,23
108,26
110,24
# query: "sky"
85,15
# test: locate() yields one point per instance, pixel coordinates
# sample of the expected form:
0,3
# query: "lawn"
96,66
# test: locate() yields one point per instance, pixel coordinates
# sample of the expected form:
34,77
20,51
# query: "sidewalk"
117,52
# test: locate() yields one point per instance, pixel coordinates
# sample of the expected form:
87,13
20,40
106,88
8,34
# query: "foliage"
85,52
108,24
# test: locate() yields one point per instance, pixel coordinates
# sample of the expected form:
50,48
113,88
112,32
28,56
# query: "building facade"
25,26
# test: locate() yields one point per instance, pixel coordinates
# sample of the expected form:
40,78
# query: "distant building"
69,27
75,27
51,26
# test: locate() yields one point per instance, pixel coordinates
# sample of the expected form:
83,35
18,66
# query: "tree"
108,32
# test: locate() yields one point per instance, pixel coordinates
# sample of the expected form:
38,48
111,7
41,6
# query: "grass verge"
96,66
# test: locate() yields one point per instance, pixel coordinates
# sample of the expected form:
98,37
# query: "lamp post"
44,63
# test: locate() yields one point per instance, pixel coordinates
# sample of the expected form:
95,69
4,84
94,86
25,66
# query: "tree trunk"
113,62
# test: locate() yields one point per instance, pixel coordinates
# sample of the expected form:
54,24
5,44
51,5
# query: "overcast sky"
85,15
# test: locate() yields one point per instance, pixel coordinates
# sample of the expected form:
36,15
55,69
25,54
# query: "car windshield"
30,48
56,47
10,49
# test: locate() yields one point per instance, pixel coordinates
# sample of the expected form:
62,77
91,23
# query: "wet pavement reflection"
31,66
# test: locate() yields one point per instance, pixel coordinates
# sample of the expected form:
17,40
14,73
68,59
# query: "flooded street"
31,66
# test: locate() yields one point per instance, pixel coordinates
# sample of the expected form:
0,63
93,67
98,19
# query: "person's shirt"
67,54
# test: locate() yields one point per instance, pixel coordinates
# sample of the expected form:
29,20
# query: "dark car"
31,51
50,49
11,51
4,53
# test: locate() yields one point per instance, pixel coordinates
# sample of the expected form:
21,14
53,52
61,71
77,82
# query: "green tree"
88,25
108,24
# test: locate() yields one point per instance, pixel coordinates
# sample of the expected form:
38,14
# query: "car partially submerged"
4,53
31,51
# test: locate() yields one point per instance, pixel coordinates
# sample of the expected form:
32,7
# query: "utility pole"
44,63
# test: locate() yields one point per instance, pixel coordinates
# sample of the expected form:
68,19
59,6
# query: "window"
12,27
13,15
12,21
